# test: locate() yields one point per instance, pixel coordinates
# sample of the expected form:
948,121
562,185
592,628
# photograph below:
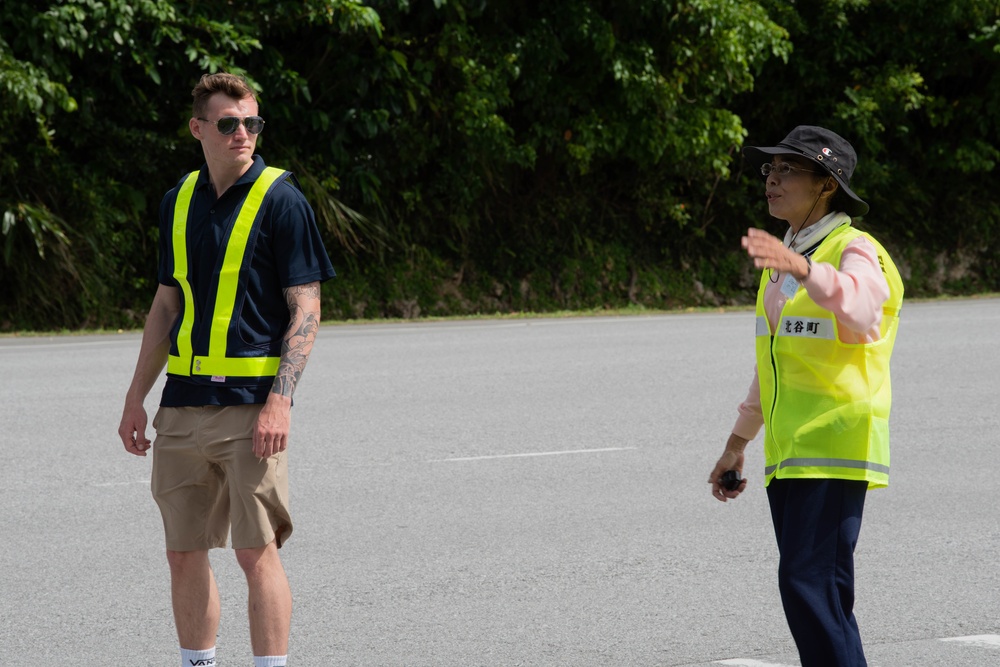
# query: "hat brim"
758,155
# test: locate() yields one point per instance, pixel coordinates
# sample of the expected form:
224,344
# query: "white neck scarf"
816,232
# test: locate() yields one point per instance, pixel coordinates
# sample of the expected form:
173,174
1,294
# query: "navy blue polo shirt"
287,251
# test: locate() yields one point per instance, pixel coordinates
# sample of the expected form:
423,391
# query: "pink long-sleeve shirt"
854,293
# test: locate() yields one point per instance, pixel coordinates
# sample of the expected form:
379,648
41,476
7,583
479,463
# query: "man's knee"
183,562
258,559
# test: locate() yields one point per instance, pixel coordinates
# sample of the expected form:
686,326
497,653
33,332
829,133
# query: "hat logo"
827,152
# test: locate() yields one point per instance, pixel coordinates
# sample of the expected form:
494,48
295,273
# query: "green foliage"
914,84
470,156
89,140
519,133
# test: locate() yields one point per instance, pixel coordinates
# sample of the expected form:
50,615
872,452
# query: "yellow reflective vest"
217,361
826,403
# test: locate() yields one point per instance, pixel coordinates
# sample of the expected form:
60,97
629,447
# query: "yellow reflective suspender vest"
215,361
826,403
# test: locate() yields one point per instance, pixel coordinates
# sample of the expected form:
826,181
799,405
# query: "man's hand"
273,424
271,434
153,351
132,429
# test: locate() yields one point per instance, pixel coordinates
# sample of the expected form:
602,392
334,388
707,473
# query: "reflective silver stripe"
806,327
828,463
762,328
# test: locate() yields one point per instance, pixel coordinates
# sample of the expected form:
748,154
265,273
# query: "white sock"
270,660
204,658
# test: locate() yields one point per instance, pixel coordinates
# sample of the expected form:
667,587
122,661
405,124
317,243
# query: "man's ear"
195,128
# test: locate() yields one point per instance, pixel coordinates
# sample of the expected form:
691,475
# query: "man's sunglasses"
229,124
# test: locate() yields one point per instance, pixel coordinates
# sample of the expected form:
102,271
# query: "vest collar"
812,235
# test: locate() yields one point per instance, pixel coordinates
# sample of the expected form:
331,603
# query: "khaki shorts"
205,475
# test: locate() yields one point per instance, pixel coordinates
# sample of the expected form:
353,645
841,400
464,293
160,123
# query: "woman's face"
797,197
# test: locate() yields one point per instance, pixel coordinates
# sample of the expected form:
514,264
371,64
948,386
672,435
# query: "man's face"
233,150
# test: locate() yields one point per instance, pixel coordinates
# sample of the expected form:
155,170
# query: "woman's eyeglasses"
229,124
783,169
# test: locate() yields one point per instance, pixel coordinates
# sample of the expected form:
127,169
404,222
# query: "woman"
827,311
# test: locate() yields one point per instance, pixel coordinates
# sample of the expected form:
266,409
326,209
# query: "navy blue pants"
816,523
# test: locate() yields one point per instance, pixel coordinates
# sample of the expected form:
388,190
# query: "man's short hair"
230,85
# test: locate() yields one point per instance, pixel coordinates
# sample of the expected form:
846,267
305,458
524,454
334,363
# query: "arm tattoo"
303,308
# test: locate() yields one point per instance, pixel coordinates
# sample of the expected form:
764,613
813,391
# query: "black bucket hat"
827,149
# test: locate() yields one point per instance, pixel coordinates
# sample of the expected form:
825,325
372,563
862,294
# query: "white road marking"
39,344
744,662
527,454
986,641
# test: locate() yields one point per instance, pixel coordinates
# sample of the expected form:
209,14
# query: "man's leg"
270,600
195,599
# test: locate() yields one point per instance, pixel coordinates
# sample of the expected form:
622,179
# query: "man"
233,320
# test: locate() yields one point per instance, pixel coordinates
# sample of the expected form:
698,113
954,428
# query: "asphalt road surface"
508,492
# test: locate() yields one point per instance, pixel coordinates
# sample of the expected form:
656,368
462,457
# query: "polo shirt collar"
249,176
